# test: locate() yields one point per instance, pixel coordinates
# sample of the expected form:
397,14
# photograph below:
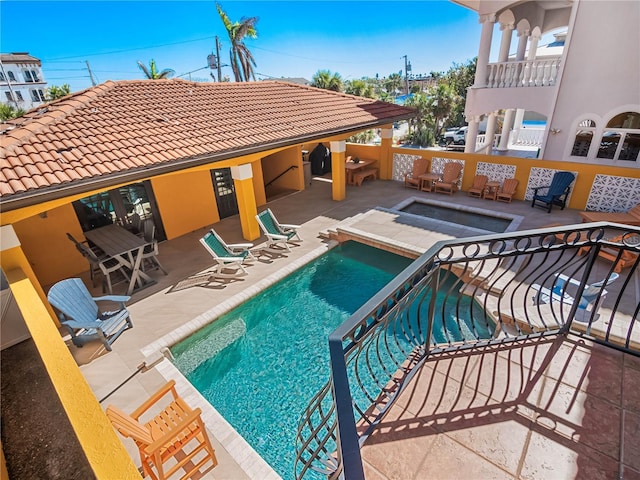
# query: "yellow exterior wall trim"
104,450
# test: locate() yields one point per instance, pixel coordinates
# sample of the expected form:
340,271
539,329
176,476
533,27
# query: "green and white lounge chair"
227,255
80,314
279,235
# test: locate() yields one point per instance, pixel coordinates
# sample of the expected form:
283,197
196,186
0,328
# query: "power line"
132,49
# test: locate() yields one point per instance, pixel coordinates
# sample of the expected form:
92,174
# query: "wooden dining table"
119,243
353,167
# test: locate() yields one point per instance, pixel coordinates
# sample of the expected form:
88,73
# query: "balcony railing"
531,137
465,294
526,73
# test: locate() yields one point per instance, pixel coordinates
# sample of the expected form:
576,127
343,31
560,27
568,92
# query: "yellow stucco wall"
186,202
274,164
579,194
51,255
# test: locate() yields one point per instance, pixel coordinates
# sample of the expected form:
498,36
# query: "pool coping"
238,448
516,220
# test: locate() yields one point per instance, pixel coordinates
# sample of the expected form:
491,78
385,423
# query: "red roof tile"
140,125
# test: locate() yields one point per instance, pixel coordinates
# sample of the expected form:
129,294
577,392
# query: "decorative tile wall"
613,194
402,164
541,177
496,172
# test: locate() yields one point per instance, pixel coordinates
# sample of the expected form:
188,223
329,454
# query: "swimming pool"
261,363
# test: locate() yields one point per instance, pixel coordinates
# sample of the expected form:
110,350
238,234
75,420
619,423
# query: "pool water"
461,217
260,364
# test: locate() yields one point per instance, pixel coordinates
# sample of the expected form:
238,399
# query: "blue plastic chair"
80,314
556,193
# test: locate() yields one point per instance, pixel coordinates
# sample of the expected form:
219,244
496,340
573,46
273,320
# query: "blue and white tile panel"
496,172
613,194
541,177
402,164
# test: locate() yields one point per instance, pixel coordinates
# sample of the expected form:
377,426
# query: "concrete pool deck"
183,301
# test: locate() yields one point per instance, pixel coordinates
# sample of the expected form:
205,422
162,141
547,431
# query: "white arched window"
621,138
12,77
584,137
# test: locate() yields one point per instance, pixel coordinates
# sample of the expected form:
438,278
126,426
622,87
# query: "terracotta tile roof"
140,127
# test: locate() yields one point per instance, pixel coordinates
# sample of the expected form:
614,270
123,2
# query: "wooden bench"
632,217
363,174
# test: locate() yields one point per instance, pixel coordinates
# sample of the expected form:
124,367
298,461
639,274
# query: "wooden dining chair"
151,251
177,433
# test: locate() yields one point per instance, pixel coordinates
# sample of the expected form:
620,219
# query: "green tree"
393,83
8,112
152,72
459,77
54,92
326,80
360,88
440,100
242,61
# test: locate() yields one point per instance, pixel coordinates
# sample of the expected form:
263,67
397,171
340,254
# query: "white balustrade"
526,73
530,137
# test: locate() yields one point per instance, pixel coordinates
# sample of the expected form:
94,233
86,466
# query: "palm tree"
152,72
54,92
326,80
8,112
359,88
242,61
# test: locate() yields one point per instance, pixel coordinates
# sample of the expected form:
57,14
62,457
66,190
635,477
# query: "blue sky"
295,38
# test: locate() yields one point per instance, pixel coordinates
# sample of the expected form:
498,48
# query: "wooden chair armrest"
153,399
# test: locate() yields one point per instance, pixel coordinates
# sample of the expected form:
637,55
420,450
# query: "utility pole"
407,69
93,80
218,57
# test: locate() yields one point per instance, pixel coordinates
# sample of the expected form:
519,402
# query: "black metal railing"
580,280
268,184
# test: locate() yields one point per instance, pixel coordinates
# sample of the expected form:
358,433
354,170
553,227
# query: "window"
19,96
584,135
2,79
9,96
621,138
37,95
31,76
12,77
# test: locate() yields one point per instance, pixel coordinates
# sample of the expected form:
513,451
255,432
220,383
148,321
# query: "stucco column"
505,43
506,129
472,134
484,50
12,257
523,37
491,132
533,46
386,157
338,174
242,180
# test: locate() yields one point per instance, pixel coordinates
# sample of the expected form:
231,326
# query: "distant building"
22,83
